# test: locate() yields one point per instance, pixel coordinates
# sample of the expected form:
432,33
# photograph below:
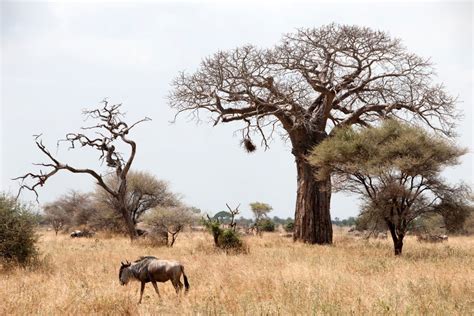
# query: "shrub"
229,239
17,232
266,225
290,227
226,239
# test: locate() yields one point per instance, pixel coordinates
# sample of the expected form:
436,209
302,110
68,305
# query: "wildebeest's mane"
141,265
144,258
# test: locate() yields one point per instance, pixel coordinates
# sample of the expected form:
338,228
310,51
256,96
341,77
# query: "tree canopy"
395,168
336,74
144,192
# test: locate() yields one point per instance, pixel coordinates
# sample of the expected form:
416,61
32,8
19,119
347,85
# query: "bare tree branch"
111,129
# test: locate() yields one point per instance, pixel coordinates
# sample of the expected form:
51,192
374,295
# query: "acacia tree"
144,192
56,216
455,207
260,211
395,168
110,131
311,82
171,220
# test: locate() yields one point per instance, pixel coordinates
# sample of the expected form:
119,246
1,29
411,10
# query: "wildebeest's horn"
122,263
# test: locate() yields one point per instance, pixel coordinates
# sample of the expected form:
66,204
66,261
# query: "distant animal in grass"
151,269
431,238
81,233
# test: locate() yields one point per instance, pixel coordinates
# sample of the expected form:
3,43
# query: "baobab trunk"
312,216
312,213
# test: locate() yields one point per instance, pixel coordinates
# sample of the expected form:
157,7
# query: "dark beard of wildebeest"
151,269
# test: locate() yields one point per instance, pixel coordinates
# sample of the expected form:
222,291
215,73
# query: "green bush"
213,226
266,225
290,227
229,239
17,232
226,239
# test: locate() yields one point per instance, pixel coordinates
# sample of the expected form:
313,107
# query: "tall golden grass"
80,276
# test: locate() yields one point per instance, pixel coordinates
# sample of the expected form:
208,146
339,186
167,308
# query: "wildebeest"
431,238
81,233
151,269
141,232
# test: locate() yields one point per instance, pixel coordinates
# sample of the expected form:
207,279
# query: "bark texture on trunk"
398,246
132,232
397,239
312,216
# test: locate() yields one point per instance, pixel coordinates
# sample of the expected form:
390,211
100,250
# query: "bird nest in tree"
249,145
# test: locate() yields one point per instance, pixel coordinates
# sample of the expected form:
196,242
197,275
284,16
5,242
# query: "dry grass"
80,276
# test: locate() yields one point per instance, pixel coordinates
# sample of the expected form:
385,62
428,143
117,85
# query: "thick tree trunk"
132,232
312,216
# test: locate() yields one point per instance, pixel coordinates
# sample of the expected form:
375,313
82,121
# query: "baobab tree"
305,87
109,132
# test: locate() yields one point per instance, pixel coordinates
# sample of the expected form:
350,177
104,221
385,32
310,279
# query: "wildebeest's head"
124,274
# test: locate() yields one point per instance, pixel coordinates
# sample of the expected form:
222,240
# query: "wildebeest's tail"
186,283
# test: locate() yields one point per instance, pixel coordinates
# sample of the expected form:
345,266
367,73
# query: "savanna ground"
80,276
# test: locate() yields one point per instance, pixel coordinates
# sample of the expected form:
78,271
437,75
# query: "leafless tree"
110,131
233,213
56,217
72,209
311,82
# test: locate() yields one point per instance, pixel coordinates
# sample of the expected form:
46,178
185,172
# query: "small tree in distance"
171,220
455,207
70,209
395,168
260,211
56,217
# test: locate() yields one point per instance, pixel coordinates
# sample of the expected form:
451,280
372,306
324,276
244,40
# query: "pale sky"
58,58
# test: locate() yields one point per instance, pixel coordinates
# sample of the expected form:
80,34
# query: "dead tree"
110,131
311,82
233,213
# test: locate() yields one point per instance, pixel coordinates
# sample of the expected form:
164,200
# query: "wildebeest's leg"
186,283
176,285
156,288
142,288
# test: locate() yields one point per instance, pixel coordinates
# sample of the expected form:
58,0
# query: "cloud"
55,34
